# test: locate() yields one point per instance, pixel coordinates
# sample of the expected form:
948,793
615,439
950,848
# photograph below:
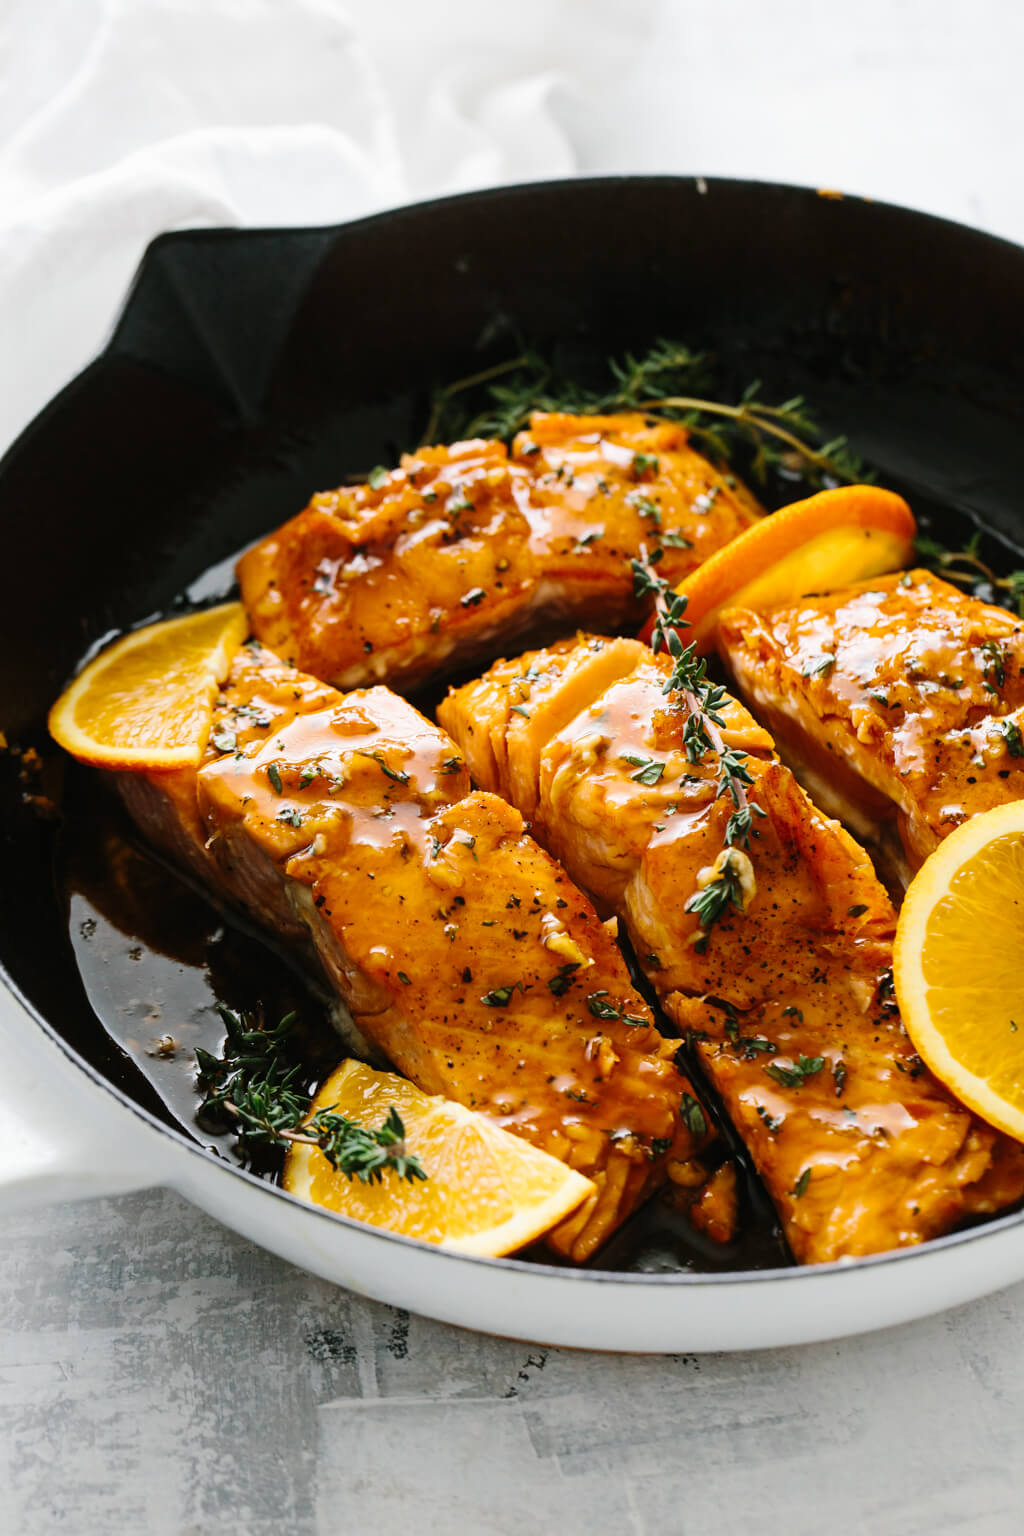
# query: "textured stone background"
159,1374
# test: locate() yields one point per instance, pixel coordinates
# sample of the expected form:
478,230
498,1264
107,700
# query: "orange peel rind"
818,545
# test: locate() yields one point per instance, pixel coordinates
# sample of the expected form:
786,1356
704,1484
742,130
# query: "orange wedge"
957,967
828,541
147,701
486,1191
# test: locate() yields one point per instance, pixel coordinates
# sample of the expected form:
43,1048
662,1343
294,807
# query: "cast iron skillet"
251,368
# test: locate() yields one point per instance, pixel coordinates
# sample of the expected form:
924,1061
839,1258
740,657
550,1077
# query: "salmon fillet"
461,550
392,579
789,1001
602,488
899,703
465,955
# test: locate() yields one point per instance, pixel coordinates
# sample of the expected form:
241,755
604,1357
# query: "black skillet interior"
252,368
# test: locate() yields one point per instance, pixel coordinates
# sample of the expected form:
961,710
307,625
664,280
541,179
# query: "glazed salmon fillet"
604,487
789,1000
465,955
898,702
392,579
462,549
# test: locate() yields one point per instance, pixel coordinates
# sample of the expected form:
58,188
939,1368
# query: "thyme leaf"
669,381
254,1088
602,1007
392,773
711,903
364,1154
703,702
498,997
650,770
750,1046
1012,736
645,464
798,1072
563,978
995,662
693,1116
965,568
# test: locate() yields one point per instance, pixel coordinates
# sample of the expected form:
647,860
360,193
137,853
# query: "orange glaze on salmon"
461,549
602,488
900,699
464,953
789,1001
390,580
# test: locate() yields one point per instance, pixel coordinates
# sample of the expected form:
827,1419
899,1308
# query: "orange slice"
830,540
147,701
957,967
486,1191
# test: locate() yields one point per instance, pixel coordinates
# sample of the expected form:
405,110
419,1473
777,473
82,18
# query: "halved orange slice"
147,701
486,1191
830,540
957,967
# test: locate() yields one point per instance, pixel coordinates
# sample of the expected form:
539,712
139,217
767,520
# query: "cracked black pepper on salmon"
465,955
463,549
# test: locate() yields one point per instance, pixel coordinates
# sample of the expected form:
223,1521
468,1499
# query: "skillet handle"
62,1137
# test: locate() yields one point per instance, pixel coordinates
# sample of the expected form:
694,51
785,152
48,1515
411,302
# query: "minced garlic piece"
737,863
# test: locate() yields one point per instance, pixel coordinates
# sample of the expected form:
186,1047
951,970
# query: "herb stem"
253,1085
756,419
264,1127
965,568
730,881
471,381
669,382
278,1133
696,702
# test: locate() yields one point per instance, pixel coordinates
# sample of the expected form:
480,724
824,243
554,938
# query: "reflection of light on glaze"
369,580
587,482
332,765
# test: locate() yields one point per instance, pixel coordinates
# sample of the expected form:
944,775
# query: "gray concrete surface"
160,1375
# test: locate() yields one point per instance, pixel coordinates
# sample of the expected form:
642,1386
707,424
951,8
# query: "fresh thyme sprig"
965,568
253,1087
702,733
669,381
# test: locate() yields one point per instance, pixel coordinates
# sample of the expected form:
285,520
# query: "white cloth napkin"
123,118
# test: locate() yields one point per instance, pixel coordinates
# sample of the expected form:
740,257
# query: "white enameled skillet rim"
991,1228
